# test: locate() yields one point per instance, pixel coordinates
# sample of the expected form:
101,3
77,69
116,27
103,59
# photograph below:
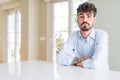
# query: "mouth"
84,24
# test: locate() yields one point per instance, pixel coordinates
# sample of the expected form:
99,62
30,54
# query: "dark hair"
87,7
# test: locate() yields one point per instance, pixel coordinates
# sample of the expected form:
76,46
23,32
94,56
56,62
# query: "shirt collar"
92,34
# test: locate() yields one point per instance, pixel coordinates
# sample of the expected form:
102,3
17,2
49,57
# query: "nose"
85,19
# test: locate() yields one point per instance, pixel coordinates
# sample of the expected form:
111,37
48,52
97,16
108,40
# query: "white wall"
1,36
108,18
33,30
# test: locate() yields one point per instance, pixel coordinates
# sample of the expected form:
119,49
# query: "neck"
85,34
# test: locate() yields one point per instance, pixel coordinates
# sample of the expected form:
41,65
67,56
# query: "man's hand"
85,57
80,63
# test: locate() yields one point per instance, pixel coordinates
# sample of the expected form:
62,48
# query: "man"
87,47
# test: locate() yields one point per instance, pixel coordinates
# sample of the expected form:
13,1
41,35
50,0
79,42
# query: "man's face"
86,20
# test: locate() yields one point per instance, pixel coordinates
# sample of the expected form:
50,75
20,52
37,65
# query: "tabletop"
77,73
43,70
27,70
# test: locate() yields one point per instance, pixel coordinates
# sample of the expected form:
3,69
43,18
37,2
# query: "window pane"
18,21
11,38
61,8
13,35
10,53
60,37
60,23
18,38
11,23
60,17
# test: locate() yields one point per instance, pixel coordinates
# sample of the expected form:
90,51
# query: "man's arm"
66,55
100,55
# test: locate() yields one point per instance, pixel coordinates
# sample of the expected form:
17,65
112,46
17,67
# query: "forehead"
87,13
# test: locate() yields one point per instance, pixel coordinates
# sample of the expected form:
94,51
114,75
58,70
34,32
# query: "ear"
95,20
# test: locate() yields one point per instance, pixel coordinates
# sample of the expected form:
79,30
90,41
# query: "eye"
89,15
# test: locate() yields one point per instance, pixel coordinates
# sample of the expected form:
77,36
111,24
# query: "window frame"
7,12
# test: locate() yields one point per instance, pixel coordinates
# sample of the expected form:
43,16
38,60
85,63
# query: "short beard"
85,29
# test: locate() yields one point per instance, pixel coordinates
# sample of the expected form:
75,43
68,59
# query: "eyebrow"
80,13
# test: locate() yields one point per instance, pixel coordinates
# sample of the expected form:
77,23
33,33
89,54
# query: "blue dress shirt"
95,47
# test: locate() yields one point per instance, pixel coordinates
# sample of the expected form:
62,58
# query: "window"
13,36
63,16
60,24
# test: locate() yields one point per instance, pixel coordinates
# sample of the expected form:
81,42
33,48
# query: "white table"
77,73
28,70
41,70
